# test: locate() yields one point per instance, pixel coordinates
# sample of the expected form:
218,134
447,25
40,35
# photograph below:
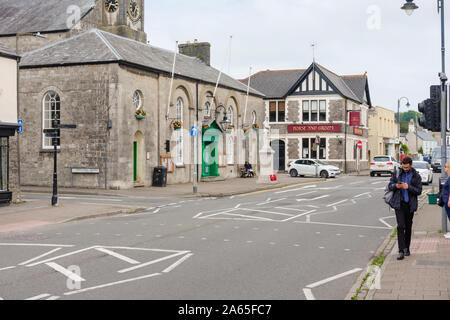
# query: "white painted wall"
8,90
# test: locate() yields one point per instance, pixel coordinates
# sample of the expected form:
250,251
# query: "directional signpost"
53,133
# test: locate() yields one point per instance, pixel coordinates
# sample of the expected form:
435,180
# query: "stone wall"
84,93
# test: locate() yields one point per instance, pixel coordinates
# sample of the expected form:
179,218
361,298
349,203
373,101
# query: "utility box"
160,177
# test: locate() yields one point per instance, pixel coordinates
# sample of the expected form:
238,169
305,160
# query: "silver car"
383,165
313,168
425,171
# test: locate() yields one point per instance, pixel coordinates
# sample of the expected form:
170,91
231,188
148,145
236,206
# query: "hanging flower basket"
245,131
255,127
140,114
177,125
205,126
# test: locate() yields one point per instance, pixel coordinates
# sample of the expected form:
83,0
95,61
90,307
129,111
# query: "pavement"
35,212
425,275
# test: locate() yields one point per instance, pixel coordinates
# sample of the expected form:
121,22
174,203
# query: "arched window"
230,150
137,100
179,133
230,115
207,110
51,110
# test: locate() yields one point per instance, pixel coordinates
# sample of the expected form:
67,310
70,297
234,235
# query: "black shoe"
401,255
407,253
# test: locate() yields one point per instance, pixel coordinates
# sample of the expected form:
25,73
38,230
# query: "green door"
210,151
135,161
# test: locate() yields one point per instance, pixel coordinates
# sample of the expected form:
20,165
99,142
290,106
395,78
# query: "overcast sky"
401,54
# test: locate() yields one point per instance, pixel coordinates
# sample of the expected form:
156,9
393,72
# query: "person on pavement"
446,195
248,168
407,186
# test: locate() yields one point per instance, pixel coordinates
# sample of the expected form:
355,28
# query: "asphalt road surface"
305,242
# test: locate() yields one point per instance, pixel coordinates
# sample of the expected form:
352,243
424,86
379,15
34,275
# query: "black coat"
415,190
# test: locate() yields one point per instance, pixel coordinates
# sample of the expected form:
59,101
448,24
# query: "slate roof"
274,84
5,51
97,46
19,16
425,136
278,84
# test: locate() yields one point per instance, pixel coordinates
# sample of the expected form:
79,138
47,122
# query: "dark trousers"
404,226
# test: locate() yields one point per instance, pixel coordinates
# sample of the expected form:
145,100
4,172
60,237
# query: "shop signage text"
314,128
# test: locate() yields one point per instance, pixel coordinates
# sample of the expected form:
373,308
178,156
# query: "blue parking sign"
194,131
20,123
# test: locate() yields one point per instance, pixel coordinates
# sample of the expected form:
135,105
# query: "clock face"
134,11
111,5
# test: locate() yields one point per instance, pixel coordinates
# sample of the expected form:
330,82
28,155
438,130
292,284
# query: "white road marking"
36,245
322,282
152,262
44,295
176,264
305,194
41,256
157,210
335,204
117,255
238,206
331,188
308,294
111,284
53,298
297,189
385,223
69,274
300,215
7,268
270,201
265,211
379,182
318,198
358,182
345,225
62,256
360,195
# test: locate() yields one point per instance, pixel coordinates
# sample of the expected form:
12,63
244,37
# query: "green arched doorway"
210,151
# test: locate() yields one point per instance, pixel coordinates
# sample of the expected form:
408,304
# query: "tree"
421,151
405,148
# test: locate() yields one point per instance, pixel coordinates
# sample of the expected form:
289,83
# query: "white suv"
312,167
383,165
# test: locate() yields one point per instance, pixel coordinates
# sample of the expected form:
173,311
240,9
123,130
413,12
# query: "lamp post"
409,8
399,123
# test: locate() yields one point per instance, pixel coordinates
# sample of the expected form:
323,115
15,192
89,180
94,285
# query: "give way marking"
308,290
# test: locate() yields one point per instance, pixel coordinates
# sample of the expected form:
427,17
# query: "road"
305,242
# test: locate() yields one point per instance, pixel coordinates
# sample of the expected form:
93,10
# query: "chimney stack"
200,50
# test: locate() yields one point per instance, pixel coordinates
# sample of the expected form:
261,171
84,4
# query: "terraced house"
316,114
88,63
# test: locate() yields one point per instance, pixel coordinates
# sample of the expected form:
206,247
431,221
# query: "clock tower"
123,17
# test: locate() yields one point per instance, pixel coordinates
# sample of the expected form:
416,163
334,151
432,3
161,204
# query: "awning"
8,129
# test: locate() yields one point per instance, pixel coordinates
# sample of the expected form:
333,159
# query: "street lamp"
409,7
399,122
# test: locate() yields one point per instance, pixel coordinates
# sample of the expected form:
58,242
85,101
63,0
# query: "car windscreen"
381,159
420,165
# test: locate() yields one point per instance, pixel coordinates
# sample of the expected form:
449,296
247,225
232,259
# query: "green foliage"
404,127
405,117
405,148
421,151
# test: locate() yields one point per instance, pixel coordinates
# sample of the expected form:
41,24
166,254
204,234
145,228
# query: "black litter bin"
160,177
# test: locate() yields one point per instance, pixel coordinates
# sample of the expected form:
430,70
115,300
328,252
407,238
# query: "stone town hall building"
87,62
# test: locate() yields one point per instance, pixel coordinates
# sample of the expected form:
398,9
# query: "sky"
401,54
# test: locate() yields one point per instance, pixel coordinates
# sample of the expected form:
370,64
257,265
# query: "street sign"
360,145
194,131
20,130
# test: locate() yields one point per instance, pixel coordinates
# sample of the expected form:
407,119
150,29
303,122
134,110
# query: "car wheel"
294,173
379,175
324,174
372,174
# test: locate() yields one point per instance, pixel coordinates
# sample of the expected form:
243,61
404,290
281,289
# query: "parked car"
425,171
383,165
312,167
436,159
